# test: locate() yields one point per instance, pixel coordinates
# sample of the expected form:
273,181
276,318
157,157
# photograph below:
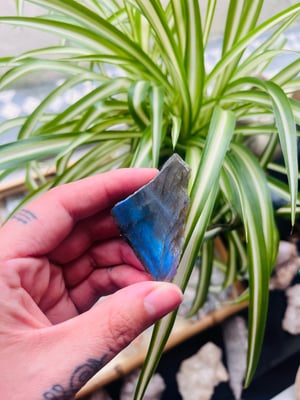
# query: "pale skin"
58,256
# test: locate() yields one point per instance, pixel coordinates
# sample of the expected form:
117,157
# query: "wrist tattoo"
24,216
78,378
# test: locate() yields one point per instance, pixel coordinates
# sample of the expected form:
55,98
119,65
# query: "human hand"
57,257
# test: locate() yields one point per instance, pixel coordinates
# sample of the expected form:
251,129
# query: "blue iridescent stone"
152,219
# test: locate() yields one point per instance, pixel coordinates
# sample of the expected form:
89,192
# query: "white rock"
286,267
291,320
235,333
153,392
199,374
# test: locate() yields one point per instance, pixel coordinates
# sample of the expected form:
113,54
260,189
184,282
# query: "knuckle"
122,330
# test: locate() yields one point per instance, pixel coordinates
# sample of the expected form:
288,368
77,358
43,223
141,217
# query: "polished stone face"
152,219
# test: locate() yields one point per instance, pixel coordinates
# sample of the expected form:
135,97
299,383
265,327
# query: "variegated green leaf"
286,126
202,201
138,102
262,241
204,277
158,127
17,154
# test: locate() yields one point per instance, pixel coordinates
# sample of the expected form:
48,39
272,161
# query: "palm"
57,257
64,259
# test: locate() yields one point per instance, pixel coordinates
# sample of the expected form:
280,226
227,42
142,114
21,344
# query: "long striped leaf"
217,143
138,102
232,263
286,126
203,198
82,36
242,18
158,127
52,51
31,66
142,156
107,89
179,12
20,152
163,327
204,277
262,241
17,154
36,116
19,6
91,41
288,73
274,41
96,32
194,56
104,156
266,26
153,12
208,20
259,63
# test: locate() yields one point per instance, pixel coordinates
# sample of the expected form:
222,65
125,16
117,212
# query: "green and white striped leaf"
17,154
262,242
202,203
158,127
286,126
204,277
138,102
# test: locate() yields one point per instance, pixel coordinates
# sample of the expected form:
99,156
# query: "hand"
57,257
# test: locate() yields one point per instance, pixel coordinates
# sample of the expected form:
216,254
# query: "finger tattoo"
79,377
24,216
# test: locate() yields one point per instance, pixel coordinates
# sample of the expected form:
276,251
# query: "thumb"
81,346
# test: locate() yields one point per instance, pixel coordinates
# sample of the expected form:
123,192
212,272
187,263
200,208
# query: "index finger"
44,223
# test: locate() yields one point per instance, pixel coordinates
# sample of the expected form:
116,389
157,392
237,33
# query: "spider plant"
153,95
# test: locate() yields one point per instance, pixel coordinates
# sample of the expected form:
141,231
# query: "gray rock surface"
199,374
235,335
291,320
153,392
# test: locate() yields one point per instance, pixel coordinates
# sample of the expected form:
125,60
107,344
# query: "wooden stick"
17,186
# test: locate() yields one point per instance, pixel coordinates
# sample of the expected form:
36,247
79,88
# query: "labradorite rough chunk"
152,219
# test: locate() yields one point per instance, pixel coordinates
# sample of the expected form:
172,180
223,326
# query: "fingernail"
163,299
